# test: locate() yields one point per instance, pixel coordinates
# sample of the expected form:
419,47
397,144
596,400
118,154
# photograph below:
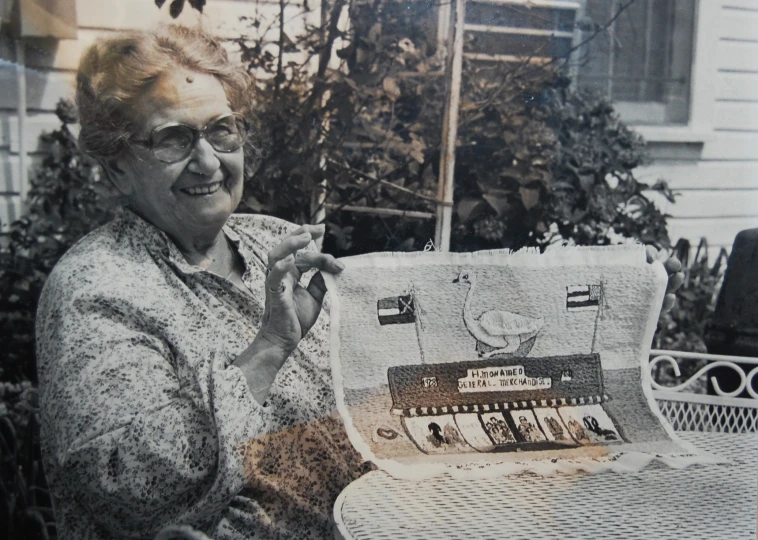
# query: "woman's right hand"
290,309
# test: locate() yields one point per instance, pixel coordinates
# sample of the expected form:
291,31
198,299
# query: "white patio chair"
691,411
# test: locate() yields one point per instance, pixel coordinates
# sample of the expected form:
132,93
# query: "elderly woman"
183,358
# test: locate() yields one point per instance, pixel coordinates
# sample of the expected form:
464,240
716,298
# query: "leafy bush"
26,509
65,202
535,163
357,135
683,328
565,172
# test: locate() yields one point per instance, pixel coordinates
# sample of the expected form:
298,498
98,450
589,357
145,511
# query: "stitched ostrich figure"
498,332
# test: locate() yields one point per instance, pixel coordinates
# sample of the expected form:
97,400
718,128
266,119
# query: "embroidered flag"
583,297
396,310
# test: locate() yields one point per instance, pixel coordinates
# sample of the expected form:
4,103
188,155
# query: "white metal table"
708,502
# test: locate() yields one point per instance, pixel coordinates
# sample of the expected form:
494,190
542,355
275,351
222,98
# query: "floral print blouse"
146,424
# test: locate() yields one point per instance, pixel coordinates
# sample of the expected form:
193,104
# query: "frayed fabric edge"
622,255
621,462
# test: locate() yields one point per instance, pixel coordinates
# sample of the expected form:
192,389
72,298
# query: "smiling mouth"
207,189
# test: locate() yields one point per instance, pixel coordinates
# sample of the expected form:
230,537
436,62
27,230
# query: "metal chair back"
680,382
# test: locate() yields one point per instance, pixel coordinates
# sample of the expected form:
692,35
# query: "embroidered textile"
497,363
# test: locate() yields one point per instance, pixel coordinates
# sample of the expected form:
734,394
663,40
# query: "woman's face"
167,194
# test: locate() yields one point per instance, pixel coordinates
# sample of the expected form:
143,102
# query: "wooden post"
450,132
23,151
443,31
318,208
373,211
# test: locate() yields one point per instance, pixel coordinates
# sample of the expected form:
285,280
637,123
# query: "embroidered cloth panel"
494,362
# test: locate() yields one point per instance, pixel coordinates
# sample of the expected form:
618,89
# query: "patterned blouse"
146,424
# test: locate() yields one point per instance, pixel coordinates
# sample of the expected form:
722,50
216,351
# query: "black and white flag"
583,297
396,310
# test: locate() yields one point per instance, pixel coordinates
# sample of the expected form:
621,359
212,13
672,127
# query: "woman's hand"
673,269
290,309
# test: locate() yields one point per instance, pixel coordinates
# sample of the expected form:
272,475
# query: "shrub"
564,172
683,328
536,162
65,202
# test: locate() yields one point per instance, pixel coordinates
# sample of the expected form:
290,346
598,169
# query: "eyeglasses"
174,142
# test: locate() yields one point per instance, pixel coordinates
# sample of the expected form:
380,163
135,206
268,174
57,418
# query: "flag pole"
450,132
417,322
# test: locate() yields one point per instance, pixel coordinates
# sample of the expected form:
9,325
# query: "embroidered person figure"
529,431
577,431
183,355
555,428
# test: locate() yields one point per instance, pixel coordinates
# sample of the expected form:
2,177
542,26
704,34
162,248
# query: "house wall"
51,66
713,162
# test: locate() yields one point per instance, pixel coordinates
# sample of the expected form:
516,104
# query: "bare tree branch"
280,60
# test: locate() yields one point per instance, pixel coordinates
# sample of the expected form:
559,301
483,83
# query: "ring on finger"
282,287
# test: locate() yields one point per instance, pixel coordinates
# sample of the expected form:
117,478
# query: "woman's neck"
206,249
208,252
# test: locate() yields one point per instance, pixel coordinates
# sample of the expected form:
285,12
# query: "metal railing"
687,409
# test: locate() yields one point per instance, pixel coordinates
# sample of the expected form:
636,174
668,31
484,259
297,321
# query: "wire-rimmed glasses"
174,142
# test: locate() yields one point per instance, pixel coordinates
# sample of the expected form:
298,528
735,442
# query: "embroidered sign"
501,379
482,384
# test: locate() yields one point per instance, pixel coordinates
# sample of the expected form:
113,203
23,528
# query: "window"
507,30
642,61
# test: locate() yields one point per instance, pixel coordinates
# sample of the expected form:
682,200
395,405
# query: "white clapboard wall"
51,65
718,178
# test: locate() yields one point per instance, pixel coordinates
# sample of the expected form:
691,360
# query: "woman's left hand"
673,269
291,310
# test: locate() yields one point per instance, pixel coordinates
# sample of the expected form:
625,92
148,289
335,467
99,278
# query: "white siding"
51,65
10,208
718,183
